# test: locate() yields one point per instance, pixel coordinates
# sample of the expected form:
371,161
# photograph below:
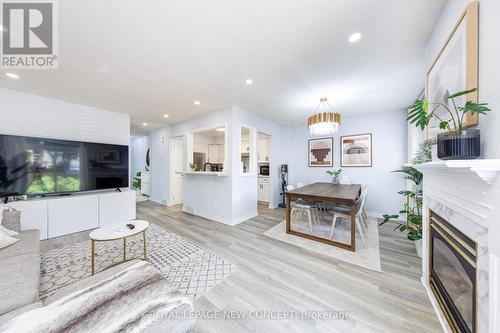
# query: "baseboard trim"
442,319
219,219
374,214
244,218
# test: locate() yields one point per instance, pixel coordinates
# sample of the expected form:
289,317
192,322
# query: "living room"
250,166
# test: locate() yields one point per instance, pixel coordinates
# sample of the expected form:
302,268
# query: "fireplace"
453,273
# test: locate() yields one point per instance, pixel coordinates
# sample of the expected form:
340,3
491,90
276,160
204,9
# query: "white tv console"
61,215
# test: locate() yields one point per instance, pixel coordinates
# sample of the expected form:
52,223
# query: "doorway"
264,170
177,146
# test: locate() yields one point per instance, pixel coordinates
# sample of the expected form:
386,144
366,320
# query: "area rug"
188,267
368,257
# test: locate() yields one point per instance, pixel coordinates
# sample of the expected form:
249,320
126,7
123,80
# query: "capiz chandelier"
324,122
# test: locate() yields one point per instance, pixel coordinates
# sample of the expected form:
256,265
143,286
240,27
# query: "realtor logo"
29,35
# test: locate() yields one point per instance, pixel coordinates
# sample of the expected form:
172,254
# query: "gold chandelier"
324,122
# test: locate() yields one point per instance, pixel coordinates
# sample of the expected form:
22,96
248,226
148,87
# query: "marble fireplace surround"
467,195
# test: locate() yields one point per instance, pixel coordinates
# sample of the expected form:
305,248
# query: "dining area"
331,214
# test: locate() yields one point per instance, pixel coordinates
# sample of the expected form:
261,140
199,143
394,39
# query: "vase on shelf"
465,145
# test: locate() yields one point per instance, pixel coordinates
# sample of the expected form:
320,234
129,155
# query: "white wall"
31,115
138,149
389,153
160,143
489,67
228,199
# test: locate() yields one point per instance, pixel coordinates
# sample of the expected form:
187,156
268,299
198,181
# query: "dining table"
325,194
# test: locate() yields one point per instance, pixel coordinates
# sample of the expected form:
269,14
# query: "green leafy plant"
424,151
334,173
137,181
412,208
193,166
420,114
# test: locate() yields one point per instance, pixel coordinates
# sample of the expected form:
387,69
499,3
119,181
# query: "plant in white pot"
412,209
460,141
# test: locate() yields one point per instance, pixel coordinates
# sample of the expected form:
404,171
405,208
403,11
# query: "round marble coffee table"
118,231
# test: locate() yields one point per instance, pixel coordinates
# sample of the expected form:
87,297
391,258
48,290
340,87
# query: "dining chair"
364,193
340,213
300,207
345,180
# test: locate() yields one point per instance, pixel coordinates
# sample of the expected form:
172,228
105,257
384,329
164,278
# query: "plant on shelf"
412,208
424,152
459,142
137,181
192,166
335,175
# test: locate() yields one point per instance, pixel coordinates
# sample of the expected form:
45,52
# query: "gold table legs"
124,251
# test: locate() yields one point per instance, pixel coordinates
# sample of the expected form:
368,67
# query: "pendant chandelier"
325,121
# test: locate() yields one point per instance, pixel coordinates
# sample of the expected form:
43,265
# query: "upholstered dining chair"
300,207
340,212
345,180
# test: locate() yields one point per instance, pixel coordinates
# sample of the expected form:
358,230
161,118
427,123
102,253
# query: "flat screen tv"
37,166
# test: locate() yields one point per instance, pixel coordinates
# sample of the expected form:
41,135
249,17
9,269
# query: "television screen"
36,166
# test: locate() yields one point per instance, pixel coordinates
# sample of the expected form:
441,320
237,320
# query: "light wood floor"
276,276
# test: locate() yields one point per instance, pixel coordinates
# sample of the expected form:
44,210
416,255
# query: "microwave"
264,170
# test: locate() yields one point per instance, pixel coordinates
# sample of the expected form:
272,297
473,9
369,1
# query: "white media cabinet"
61,215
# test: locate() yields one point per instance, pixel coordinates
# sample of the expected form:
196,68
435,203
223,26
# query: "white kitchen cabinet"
245,146
200,148
221,153
263,150
216,153
263,189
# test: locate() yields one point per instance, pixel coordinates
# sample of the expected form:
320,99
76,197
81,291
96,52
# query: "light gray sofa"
20,275
20,284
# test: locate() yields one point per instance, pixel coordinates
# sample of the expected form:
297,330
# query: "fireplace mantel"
487,170
467,194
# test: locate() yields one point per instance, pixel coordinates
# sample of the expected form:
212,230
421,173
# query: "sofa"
20,305
20,275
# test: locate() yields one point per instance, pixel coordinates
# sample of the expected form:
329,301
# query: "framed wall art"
455,68
356,150
320,152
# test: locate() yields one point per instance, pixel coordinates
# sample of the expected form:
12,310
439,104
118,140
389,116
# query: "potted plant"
335,175
412,208
192,166
424,152
137,181
459,142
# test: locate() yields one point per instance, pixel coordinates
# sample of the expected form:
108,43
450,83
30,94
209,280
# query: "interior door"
177,165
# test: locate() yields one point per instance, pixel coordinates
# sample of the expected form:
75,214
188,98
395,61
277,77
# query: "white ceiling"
149,58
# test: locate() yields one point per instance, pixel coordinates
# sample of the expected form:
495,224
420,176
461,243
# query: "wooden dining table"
326,193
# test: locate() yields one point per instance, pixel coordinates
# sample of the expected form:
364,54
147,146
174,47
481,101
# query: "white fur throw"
122,303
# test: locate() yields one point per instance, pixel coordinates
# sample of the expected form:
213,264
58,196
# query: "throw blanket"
129,301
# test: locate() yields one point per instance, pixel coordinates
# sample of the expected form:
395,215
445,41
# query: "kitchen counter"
203,173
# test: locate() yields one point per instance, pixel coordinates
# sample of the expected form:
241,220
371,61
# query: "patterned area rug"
186,266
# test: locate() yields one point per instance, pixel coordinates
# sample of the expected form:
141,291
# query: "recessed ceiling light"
249,81
12,75
196,103
165,116
144,124
354,37
221,129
